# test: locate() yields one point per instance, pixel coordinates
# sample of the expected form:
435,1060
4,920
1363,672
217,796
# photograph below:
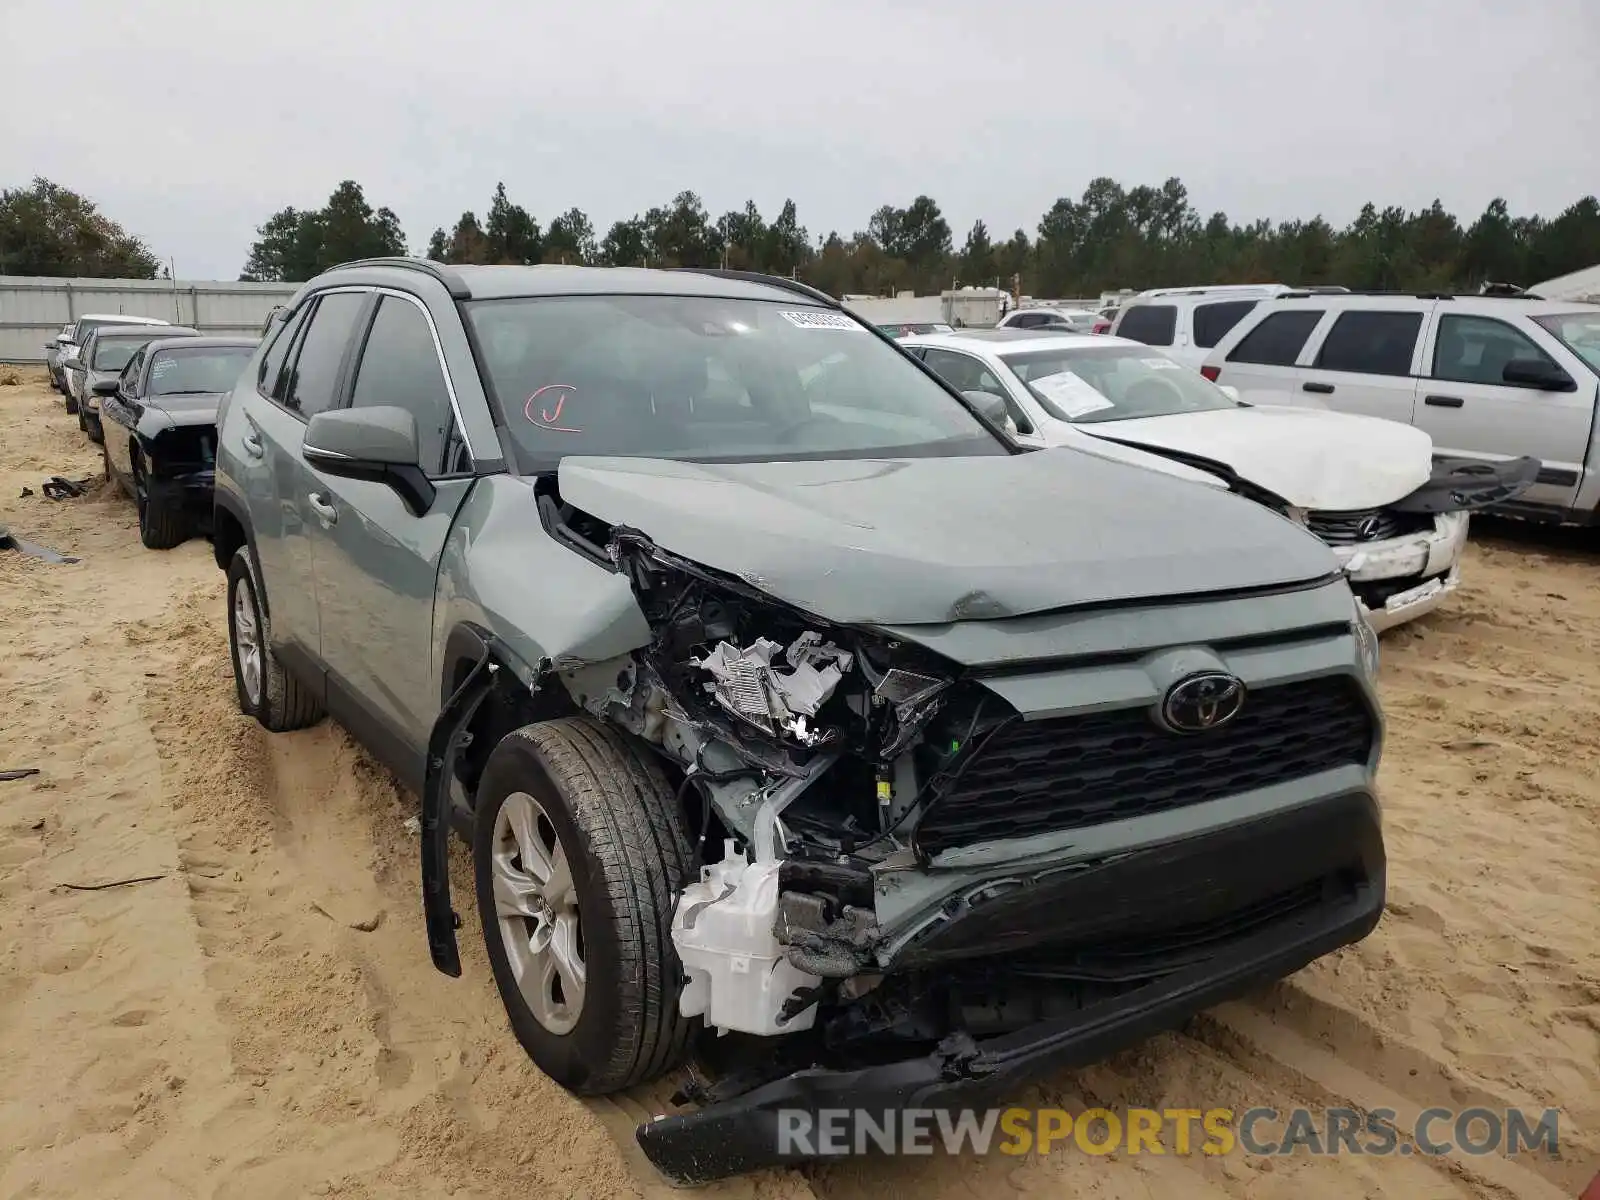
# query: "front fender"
545,604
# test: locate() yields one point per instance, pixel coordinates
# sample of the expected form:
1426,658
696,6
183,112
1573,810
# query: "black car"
160,423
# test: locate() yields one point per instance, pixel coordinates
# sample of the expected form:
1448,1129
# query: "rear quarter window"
1152,324
1278,340
1213,321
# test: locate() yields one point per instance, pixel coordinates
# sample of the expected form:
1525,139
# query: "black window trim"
1438,329
286,329
1354,310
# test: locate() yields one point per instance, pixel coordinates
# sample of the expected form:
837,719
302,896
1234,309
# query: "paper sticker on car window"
161,366
1071,395
837,322
1162,364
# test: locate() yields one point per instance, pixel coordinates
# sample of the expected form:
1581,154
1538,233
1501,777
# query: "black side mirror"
378,444
1537,373
106,387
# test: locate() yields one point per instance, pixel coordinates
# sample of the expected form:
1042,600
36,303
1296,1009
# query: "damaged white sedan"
1371,489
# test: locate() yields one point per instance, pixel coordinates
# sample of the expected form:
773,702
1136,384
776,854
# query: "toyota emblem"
1204,701
1369,528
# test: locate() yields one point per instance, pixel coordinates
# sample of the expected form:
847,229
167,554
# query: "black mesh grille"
1366,525
1068,772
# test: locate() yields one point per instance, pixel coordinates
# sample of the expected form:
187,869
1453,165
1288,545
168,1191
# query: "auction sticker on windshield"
1070,394
821,320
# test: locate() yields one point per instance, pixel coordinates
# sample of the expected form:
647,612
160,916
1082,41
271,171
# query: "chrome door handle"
253,446
323,507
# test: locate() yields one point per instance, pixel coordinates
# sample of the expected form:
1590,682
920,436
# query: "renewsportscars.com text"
1215,1131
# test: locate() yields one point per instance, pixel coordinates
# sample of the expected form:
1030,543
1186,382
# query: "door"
1263,357
376,563
1368,358
1469,410
118,416
308,383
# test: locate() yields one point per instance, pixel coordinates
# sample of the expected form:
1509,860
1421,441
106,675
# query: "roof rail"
452,281
1302,294
778,281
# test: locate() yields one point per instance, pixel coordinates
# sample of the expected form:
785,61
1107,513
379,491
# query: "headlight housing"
1366,639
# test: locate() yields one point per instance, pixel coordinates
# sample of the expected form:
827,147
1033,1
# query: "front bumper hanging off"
1336,837
747,1133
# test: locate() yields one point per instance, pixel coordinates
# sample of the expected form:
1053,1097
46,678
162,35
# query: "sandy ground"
261,1019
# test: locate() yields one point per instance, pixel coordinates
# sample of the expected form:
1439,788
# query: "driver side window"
967,374
129,382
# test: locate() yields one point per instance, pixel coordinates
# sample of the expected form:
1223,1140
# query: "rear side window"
400,367
1278,340
315,373
1371,343
1212,321
269,376
1152,324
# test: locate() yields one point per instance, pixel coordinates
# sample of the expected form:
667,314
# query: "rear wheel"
264,689
579,853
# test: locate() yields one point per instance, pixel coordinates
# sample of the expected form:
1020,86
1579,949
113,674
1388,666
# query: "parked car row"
782,685
1488,378
1396,521
147,392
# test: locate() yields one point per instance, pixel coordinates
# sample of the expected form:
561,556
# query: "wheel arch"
231,530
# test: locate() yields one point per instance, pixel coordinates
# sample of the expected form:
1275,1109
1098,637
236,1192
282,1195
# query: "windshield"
113,353
1578,332
1113,383
701,378
201,369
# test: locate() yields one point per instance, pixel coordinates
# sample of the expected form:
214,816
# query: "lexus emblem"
1208,700
1369,528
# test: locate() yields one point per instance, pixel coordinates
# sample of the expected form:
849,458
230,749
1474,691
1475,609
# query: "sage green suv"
777,693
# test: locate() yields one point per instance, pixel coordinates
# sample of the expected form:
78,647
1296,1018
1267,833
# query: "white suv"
1486,377
1186,322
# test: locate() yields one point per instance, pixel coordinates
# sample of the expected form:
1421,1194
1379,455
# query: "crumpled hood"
1324,461
931,540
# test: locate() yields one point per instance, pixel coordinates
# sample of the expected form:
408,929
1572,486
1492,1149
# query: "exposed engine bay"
812,750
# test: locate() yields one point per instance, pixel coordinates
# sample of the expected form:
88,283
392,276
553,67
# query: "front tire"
72,405
579,854
160,526
264,689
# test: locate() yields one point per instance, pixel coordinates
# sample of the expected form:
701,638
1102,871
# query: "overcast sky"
191,121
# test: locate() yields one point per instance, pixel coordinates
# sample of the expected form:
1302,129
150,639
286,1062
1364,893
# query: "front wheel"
579,854
161,526
72,405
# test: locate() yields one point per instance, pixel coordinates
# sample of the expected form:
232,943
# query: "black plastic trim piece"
1465,484
439,918
742,1134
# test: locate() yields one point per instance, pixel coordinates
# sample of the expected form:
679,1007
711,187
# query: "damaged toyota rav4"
814,742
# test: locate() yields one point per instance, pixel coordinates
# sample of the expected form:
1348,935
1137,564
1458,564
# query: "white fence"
34,308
